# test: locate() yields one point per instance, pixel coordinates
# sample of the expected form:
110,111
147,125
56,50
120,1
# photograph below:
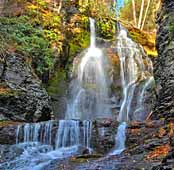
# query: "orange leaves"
171,126
160,151
135,131
4,90
162,132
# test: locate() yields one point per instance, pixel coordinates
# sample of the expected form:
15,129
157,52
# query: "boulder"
22,98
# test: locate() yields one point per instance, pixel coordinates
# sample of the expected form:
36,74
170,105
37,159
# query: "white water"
90,90
68,134
87,130
35,132
120,139
36,156
43,142
133,72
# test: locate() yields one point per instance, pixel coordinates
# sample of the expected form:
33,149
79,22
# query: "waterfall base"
39,144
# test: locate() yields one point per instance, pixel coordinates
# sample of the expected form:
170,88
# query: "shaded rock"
25,99
164,63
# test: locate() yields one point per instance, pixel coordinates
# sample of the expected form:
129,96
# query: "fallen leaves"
160,151
162,132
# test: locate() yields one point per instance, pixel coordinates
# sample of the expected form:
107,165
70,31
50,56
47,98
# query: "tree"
145,15
134,12
141,14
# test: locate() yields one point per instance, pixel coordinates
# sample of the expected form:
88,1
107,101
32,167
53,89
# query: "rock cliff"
21,96
164,64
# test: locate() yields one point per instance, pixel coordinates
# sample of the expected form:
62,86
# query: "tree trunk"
141,14
60,6
145,15
134,13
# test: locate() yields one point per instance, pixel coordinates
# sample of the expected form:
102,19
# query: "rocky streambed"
149,145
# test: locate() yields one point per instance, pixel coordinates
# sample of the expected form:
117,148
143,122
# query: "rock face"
164,64
21,96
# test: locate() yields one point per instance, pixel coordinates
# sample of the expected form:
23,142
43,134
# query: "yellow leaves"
151,52
160,151
77,24
75,18
146,39
76,30
8,123
32,6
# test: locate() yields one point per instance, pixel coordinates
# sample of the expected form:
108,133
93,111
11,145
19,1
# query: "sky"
120,4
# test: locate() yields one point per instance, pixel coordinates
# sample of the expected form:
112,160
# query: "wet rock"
8,135
25,99
1,69
102,136
8,152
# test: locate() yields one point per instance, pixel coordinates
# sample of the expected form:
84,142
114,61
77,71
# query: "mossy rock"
147,40
54,84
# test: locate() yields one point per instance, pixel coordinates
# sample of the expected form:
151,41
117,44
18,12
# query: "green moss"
78,43
55,83
171,27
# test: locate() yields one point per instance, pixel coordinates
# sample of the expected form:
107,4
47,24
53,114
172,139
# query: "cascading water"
35,132
68,133
43,142
87,129
133,72
120,139
90,93
89,100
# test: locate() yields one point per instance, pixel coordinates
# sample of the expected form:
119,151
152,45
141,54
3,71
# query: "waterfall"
68,133
120,139
45,141
87,130
89,93
133,72
35,132
62,134
88,100
92,34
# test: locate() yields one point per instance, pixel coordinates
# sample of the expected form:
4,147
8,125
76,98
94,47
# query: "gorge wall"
164,64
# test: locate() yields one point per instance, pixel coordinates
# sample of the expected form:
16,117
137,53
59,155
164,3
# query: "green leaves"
30,41
36,34
106,28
